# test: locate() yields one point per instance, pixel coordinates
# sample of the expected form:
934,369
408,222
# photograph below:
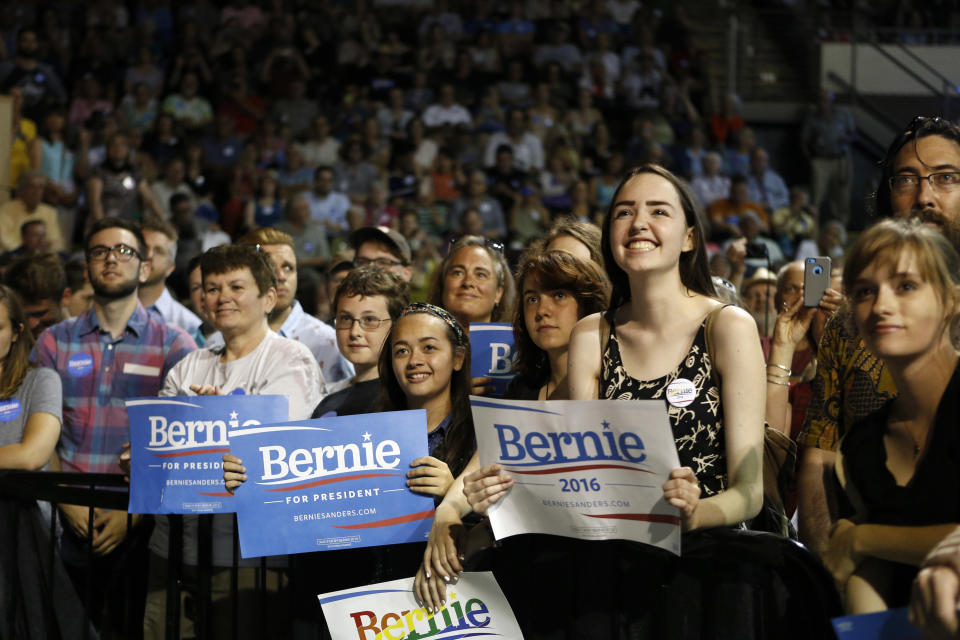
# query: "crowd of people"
320,199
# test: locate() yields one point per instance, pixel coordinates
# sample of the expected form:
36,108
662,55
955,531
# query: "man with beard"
920,180
114,351
288,318
39,82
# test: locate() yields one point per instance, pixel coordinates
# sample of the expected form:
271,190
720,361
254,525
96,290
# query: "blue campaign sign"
492,353
177,444
885,625
331,483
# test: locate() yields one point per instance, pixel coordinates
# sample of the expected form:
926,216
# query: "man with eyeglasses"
114,351
920,180
384,248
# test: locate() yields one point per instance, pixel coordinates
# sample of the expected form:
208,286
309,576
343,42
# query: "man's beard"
278,311
113,291
949,225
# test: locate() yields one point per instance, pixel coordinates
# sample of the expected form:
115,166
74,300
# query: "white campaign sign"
475,606
591,469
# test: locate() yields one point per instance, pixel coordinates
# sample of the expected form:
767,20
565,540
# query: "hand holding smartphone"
816,280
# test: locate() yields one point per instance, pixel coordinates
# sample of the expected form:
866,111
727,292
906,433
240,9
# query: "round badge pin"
9,409
80,364
681,392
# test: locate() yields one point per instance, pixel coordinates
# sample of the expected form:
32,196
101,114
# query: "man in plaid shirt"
114,351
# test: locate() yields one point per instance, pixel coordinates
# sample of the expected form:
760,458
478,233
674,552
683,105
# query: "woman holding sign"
651,344
898,465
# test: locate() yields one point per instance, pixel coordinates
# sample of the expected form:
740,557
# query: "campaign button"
80,364
9,409
681,392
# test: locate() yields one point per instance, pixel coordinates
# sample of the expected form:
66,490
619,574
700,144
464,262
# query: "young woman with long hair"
898,465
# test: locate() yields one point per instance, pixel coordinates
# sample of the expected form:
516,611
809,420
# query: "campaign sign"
492,353
884,625
331,483
177,445
590,469
475,606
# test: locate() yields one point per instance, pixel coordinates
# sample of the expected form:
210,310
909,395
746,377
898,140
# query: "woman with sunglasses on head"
898,465
474,283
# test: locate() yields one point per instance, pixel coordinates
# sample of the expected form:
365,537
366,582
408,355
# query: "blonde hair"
937,261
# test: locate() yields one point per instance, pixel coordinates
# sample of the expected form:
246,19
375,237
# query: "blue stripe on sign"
494,405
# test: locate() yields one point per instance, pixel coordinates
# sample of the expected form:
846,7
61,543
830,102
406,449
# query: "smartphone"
816,280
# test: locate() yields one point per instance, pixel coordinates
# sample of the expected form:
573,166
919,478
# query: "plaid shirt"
99,373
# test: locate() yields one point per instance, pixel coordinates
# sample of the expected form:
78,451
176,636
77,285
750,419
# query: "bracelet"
780,366
777,374
782,384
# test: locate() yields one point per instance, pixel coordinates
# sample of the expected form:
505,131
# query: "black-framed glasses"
345,322
383,263
122,253
910,182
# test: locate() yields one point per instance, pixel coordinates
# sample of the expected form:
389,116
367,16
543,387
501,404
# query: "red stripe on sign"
389,522
194,452
586,467
317,483
644,517
221,494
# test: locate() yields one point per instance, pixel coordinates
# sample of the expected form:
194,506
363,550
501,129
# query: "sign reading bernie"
474,607
591,469
331,483
177,444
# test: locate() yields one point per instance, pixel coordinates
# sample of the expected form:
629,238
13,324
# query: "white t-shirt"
277,366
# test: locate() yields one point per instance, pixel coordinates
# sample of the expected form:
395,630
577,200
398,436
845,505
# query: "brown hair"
887,241
554,270
694,266
503,310
231,257
17,361
586,232
37,278
267,235
373,281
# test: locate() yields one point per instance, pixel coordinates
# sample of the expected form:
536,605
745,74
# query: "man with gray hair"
712,185
27,206
161,240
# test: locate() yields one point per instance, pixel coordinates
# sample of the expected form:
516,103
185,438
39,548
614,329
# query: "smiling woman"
474,283
899,465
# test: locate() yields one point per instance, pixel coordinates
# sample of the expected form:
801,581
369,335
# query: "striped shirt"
98,373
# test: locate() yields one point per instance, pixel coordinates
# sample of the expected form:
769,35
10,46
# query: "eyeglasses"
908,183
122,252
383,263
345,322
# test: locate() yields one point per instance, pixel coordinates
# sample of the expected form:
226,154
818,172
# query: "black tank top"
698,426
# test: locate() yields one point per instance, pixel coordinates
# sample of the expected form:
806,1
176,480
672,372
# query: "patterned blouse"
698,426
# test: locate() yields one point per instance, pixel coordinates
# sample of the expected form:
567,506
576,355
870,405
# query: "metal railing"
19,491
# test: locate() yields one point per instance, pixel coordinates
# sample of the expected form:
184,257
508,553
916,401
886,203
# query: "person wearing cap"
383,247
758,295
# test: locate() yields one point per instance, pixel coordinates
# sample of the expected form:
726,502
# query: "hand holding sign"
234,473
430,476
484,487
683,492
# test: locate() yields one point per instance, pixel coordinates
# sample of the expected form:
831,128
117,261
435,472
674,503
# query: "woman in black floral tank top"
653,248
